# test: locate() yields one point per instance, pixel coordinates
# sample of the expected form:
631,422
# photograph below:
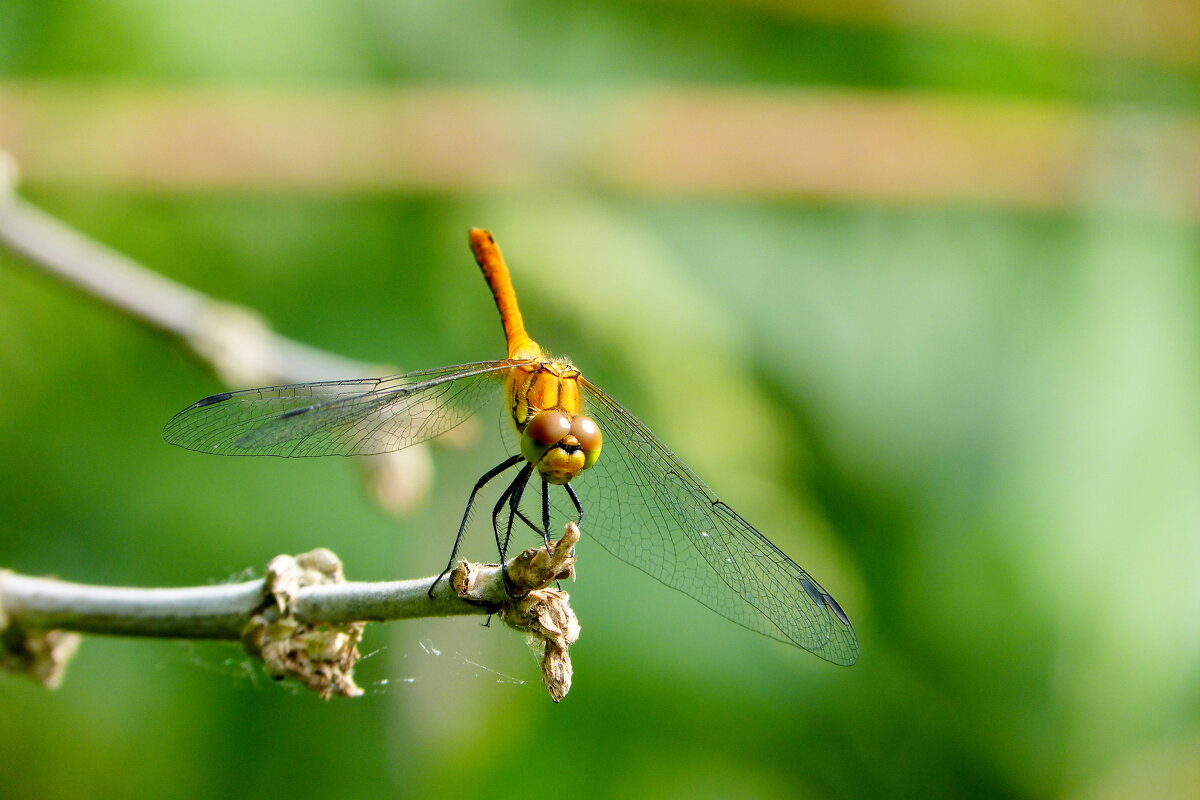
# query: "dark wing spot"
823,598
213,399
294,412
814,591
836,609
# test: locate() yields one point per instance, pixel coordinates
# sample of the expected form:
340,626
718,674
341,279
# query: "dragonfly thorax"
561,445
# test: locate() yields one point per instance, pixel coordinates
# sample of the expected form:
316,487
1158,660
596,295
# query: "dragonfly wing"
355,417
646,507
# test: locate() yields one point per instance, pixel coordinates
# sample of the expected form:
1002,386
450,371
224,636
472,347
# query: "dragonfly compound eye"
587,433
543,432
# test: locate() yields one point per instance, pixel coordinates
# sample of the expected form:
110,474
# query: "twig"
304,620
214,612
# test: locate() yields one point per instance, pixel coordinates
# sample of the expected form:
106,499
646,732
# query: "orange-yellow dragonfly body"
643,503
543,392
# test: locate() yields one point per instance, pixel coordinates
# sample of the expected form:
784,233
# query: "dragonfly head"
561,445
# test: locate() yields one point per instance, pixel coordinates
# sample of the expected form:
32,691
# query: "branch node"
39,655
238,343
477,584
319,655
545,613
10,176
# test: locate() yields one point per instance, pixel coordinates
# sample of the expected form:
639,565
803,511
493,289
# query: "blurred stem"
232,339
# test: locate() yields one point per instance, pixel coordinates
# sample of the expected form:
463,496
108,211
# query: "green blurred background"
914,287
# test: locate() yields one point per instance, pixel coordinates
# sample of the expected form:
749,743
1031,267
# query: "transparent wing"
356,417
646,507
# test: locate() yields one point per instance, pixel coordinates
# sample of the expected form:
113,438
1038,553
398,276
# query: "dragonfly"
643,503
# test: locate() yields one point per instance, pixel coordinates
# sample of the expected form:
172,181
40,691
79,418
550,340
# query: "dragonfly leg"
511,497
483,481
546,512
515,508
578,507
530,523
575,501
546,519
